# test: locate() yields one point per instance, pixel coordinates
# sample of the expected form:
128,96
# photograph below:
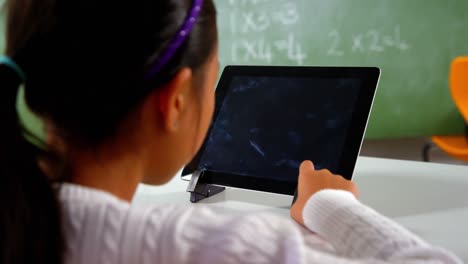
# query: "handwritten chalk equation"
248,21
265,51
370,41
252,27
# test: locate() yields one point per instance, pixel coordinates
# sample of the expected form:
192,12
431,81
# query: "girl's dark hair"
85,63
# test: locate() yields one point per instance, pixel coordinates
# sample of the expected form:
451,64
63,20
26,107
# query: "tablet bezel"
368,75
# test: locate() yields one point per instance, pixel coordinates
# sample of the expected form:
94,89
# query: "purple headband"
177,41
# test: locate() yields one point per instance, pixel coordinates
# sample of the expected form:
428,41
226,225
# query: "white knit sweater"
100,228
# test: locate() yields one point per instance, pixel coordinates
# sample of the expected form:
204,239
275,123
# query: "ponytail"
30,225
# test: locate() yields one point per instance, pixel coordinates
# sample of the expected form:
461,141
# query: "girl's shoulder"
100,228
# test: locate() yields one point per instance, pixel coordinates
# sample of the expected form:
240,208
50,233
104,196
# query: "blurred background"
420,45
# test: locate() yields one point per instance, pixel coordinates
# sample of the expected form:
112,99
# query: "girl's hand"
311,181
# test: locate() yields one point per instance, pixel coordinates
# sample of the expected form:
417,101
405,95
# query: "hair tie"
5,60
177,41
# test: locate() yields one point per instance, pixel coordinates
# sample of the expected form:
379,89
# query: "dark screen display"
267,126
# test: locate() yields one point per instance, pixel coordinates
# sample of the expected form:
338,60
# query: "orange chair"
456,146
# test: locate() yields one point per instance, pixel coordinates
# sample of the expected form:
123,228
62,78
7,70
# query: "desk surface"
429,199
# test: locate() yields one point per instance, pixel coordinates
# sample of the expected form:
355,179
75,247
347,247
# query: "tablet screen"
267,126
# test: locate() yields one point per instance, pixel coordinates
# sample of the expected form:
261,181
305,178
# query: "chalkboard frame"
369,77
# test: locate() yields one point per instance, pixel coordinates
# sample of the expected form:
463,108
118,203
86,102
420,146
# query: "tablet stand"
199,191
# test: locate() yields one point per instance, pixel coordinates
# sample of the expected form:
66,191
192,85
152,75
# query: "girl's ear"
173,99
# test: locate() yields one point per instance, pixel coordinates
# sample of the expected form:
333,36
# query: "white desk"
429,199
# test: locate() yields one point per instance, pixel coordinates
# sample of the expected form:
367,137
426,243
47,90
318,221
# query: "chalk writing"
249,27
370,41
334,47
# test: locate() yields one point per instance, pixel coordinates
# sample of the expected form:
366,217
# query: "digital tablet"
269,119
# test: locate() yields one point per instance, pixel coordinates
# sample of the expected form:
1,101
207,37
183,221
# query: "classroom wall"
413,42
2,28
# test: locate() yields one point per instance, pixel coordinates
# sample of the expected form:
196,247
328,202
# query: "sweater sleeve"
357,232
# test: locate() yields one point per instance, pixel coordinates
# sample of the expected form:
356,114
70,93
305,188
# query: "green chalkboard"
2,28
412,41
